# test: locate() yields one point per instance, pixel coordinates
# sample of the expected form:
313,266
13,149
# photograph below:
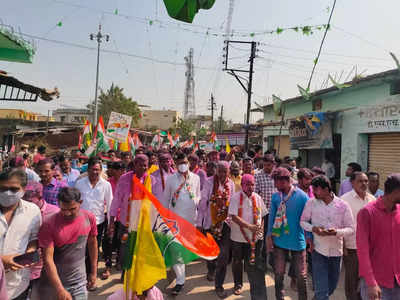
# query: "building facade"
71,115
364,119
159,119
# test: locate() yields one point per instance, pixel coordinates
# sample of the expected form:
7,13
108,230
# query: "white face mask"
9,198
183,168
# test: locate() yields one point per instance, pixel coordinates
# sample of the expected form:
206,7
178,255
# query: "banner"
118,126
311,131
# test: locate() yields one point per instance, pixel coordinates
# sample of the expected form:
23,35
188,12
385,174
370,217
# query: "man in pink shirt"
34,194
378,244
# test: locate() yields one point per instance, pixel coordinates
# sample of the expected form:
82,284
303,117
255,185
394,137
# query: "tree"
222,125
185,128
114,100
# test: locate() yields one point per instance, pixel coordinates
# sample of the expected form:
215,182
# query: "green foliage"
185,128
114,100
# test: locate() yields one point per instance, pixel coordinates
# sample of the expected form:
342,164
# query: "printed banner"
118,126
311,131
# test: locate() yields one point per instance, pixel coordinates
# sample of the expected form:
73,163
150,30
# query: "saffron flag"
177,240
227,146
80,141
171,141
87,135
176,139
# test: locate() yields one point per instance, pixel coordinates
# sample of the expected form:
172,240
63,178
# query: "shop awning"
13,47
11,89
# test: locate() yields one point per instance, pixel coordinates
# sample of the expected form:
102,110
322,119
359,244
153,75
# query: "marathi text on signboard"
118,126
311,131
385,116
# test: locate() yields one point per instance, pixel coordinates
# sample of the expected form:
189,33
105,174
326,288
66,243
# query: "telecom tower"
189,109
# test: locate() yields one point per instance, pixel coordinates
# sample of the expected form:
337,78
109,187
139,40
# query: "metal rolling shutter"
384,154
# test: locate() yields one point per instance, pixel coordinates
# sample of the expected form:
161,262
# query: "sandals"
106,274
237,290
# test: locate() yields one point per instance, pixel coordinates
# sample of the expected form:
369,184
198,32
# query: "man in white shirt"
329,168
357,199
19,226
182,196
96,194
247,210
329,219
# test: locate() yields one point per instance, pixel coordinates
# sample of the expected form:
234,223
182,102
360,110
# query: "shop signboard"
311,131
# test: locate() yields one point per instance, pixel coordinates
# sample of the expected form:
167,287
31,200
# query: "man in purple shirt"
346,185
378,244
51,186
162,174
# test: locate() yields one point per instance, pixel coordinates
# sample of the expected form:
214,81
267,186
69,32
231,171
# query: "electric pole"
212,108
99,38
240,79
221,118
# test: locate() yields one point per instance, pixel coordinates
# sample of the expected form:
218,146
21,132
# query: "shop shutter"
384,154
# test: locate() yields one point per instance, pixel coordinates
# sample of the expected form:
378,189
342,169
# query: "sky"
152,46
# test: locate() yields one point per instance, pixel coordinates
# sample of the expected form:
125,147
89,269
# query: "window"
62,119
395,87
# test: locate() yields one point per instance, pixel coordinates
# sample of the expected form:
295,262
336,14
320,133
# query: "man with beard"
378,240
285,236
304,177
213,212
235,175
160,176
357,199
63,238
195,168
182,196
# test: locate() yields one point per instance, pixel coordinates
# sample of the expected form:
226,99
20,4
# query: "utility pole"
240,79
221,118
212,108
99,38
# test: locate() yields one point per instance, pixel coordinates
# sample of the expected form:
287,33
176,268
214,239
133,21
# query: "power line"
70,44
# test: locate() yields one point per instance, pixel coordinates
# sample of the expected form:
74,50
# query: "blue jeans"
387,294
79,293
326,271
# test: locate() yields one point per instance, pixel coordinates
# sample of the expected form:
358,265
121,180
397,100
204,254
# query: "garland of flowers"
219,204
252,242
178,190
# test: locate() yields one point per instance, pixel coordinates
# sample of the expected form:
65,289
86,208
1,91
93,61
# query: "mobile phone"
27,258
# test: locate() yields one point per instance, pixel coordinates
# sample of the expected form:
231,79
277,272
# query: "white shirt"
185,206
329,169
14,239
336,215
247,215
356,204
96,199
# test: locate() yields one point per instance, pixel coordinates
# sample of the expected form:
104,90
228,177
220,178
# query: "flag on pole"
213,137
80,141
176,139
227,146
156,142
100,137
87,135
170,140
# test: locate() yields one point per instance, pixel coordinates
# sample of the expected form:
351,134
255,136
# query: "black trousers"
255,273
220,264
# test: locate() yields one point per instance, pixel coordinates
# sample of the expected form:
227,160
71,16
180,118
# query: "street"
198,288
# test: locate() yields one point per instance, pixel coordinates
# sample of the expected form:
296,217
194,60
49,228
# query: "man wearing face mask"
182,196
357,199
19,227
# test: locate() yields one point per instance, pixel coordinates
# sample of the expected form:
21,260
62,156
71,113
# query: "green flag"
185,10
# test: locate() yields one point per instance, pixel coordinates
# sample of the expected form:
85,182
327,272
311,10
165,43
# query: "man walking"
378,243
213,212
182,196
329,219
63,238
346,186
51,186
247,210
357,199
96,195
285,234
19,226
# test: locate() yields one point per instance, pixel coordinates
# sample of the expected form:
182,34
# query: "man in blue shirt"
373,184
285,234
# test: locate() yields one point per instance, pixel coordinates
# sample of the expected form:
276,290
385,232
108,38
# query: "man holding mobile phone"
330,219
19,227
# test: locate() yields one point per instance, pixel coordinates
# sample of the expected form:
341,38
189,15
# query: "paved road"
198,288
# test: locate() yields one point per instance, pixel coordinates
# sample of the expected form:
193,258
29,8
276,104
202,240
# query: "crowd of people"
57,211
